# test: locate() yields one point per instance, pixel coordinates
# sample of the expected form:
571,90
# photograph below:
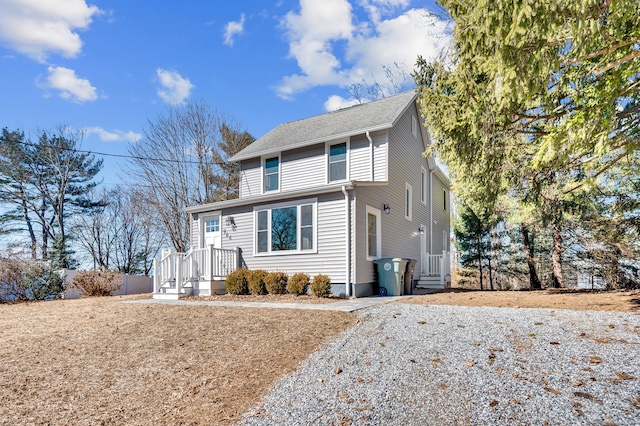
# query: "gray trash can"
391,274
408,276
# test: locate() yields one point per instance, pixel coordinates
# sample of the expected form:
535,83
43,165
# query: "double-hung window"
285,228
338,162
271,176
423,185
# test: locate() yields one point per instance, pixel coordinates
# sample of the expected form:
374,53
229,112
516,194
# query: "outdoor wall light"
421,230
386,208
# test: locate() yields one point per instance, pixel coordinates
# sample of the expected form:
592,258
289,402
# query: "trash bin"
408,276
391,275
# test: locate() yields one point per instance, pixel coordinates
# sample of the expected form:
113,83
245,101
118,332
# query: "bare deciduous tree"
178,160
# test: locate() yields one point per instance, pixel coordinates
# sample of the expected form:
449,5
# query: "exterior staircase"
197,272
435,274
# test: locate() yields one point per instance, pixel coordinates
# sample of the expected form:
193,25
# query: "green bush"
276,282
321,285
256,282
22,280
97,283
237,282
298,284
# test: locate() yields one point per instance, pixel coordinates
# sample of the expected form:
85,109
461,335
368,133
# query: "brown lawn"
627,301
98,361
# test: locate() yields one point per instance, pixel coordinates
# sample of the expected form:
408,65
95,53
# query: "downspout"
371,177
430,212
347,215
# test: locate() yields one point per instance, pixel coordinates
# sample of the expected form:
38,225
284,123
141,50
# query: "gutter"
347,215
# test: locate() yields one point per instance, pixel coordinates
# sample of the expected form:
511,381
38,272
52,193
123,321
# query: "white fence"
131,284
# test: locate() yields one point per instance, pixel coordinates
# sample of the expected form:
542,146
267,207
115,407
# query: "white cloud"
310,34
174,89
39,28
232,29
336,102
69,85
114,136
331,50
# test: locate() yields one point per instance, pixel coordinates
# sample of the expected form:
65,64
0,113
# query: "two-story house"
327,195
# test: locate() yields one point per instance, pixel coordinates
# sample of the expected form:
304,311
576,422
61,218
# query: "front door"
211,231
423,249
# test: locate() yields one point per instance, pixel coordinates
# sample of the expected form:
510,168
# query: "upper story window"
338,162
285,228
414,127
444,199
271,174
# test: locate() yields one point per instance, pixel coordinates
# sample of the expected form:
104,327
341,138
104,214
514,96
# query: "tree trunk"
32,234
557,280
534,281
480,262
490,275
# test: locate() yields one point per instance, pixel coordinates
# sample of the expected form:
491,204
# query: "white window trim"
423,185
376,212
269,207
202,219
327,146
408,188
414,127
263,170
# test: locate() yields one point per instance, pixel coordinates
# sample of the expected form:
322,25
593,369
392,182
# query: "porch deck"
198,272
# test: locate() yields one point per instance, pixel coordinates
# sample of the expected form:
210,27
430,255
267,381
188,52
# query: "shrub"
97,283
321,285
298,284
237,282
276,282
256,282
23,280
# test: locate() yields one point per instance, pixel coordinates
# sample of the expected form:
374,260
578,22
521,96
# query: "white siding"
441,217
359,158
380,155
400,237
303,168
330,258
250,178
195,231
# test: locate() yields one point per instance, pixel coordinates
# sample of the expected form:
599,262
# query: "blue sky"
109,66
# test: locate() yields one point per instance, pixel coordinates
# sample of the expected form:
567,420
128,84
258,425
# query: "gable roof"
358,119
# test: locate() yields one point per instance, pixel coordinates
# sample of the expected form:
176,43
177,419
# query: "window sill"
285,253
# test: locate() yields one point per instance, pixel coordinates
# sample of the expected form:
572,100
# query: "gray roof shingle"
358,119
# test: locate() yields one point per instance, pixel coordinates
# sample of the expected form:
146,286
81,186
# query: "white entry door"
211,231
423,249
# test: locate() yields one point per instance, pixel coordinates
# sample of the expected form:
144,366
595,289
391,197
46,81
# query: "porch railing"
174,270
436,265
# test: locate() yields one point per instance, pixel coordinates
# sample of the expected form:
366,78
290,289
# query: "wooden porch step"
429,283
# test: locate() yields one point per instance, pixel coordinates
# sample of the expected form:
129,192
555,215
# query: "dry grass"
97,361
626,301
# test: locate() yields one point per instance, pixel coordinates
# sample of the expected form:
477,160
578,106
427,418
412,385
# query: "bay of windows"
285,228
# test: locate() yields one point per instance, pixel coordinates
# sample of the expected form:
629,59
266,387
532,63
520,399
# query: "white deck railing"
174,270
436,265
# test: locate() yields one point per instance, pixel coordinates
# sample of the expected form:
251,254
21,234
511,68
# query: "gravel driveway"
415,365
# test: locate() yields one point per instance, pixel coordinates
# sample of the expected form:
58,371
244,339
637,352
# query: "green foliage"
97,282
276,282
538,102
28,281
238,282
321,285
256,281
298,284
